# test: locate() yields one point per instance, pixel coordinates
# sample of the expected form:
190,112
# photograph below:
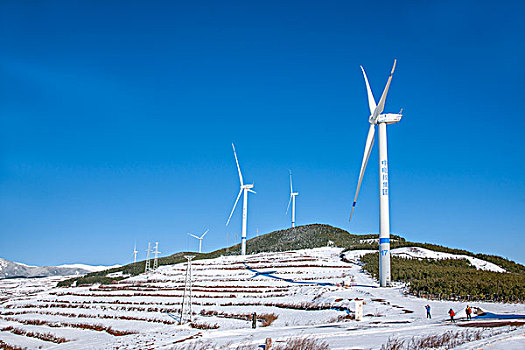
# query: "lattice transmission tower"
146,270
156,260
185,312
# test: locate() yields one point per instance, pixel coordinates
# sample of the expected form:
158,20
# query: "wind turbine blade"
291,187
381,105
192,235
288,207
366,155
204,234
239,196
237,161
252,191
371,100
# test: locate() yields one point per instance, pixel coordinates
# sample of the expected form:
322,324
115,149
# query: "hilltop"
300,237
320,235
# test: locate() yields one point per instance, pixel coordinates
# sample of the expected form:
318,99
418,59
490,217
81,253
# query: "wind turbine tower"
292,201
199,238
245,188
156,260
382,120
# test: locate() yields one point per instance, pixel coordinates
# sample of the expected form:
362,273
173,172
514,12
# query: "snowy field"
294,301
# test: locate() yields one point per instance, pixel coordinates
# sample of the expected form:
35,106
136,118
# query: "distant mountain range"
10,269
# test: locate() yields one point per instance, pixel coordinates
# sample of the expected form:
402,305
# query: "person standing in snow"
468,310
428,311
254,320
452,314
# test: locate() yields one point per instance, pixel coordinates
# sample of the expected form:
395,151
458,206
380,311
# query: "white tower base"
384,214
293,211
244,221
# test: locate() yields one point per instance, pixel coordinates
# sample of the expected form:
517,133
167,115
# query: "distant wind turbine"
135,251
244,190
292,200
376,117
199,238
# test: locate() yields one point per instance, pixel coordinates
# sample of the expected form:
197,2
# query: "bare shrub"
94,327
197,346
204,325
393,344
447,340
302,344
268,319
42,336
342,318
5,346
200,345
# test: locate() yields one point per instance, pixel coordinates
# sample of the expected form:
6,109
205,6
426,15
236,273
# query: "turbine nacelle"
389,118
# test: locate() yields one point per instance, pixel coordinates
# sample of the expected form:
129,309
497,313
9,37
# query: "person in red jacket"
452,314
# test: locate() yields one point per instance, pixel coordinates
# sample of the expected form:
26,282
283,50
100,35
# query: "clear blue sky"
117,119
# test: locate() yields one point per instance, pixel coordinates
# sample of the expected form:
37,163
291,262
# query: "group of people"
451,313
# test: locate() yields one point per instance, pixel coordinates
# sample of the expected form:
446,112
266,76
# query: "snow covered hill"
422,253
9,269
298,293
90,268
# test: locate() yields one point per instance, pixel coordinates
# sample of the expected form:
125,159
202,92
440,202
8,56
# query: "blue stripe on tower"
384,240
354,204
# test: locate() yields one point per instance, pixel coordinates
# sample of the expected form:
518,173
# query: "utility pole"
185,312
146,270
156,260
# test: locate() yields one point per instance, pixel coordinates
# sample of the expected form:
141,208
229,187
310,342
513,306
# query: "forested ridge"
451,279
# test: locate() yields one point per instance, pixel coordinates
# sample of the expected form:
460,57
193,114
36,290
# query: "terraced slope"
302,294
301,237
225,294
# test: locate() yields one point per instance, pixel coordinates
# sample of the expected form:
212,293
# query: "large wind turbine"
244,190
376,117
199,238
292,200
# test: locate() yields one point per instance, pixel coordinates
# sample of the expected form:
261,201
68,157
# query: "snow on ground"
91,268
226,293
422,253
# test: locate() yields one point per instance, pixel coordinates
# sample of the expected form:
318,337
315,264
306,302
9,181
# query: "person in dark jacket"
468,311
254,320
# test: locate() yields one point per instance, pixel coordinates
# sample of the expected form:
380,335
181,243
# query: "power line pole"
146,270
185,312
156,260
